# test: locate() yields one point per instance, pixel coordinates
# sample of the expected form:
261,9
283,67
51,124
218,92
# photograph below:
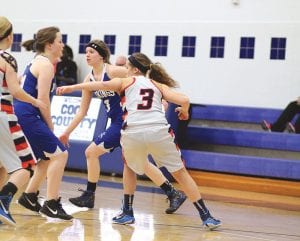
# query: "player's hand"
64,138
64,90
182,114
40,104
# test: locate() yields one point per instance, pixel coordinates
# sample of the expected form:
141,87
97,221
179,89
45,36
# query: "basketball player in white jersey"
146,130
98,57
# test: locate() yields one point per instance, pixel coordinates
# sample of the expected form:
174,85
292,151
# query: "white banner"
63,110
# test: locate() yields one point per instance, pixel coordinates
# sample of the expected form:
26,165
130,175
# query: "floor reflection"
73,233
143,229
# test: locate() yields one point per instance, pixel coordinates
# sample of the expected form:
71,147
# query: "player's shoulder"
116,71
10,60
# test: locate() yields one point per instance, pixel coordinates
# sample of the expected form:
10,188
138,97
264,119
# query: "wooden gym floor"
240,221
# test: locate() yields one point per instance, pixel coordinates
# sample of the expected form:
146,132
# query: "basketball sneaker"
124,217
87,199
5,216
266,125
176,199
30,201
53,209
211,223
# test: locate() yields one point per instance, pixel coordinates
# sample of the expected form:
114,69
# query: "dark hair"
155,71
43,37
101,48
68,52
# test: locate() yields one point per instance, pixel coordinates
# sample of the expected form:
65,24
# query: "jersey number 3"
147,99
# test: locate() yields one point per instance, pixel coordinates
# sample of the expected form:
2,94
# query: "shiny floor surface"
240,222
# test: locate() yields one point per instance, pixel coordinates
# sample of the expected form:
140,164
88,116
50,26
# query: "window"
110,41
278,46
188,46
247,47
161,46
65,38
16,45
84,39
217,47
134,44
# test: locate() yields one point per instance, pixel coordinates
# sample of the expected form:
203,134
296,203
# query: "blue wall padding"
234,113
238,164
245,138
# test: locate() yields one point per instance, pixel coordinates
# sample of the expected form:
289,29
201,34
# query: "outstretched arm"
114,84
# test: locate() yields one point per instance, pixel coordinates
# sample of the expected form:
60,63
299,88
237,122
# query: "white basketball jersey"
143,103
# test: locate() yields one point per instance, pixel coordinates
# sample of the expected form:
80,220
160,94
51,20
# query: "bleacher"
229,139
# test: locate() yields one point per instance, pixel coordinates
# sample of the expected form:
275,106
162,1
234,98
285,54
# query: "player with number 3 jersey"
146,130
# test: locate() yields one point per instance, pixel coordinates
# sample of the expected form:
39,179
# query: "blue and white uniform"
110,138
42,140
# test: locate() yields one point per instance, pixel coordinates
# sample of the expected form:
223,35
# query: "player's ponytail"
153,71
29,45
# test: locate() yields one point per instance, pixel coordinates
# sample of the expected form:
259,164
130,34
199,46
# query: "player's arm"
114,85
177,98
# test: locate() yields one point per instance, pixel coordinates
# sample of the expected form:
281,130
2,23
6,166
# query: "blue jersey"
30,86
42,140
110,138
111,100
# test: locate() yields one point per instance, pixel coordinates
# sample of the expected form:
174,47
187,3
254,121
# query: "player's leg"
126,215
175,197
103,143
87,198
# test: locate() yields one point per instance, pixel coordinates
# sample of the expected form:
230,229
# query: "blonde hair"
5,27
